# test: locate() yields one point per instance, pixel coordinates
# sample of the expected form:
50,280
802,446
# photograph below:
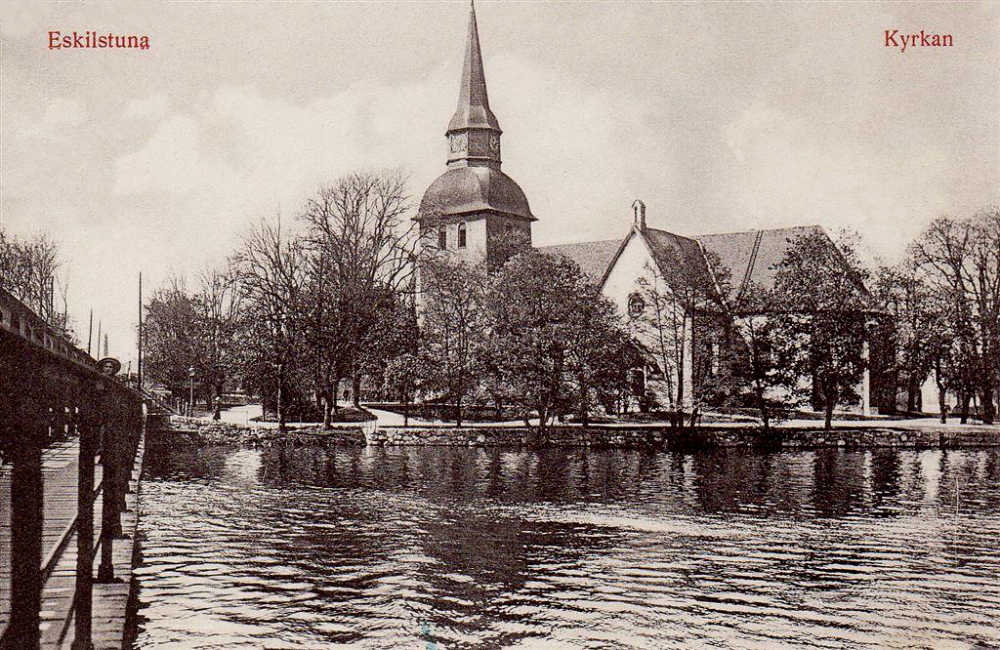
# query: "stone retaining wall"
200,432
698,437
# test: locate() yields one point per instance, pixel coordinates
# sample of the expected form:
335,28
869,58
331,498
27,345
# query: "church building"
473,204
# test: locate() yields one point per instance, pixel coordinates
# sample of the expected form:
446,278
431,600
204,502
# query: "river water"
435,548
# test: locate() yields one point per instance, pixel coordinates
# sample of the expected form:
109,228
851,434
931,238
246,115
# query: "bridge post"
84,596
109,505
122,459
26,533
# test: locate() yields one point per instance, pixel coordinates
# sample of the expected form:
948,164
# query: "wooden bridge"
71,443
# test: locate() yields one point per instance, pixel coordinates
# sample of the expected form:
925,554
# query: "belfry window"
442,237
461,235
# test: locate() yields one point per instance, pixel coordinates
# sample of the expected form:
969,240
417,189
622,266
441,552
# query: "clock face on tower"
457,142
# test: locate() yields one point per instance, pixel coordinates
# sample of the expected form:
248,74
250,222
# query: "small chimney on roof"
639,214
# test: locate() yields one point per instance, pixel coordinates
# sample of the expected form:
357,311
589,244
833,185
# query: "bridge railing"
50,390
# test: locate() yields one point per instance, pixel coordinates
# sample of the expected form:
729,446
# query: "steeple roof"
473,111
474,186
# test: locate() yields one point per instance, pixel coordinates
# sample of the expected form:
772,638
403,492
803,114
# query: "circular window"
636,305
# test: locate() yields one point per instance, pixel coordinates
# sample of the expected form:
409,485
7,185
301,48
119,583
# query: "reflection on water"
466,548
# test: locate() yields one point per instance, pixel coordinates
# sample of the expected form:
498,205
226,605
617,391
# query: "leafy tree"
757,361
552,334
823,310
170,347
612,383
393,332
950,337
915,325
598,351
453,329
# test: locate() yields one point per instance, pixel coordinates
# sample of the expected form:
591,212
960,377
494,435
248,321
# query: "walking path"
243,415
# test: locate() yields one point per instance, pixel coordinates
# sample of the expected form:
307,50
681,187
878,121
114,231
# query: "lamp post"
191,391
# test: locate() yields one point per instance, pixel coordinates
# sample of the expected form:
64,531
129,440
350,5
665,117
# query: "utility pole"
139,362
98,337
105,344
90,331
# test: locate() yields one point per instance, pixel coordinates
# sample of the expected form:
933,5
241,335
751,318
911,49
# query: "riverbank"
195,431
917,434
797,436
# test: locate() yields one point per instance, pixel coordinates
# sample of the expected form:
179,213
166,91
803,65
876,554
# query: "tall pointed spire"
473,101
474,132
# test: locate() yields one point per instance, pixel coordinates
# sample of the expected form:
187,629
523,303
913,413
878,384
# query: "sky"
721,117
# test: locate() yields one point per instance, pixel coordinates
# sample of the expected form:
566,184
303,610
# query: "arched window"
442,237
637,381
461,235
636,305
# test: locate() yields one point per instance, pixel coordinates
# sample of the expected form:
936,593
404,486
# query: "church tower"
474,211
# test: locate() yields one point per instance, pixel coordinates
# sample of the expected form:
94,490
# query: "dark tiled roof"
463,190
670,251
735,249
593,257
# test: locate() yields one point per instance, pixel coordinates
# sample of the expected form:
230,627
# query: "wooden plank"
111,601
59,471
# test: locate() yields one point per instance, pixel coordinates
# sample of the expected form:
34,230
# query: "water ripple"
464,548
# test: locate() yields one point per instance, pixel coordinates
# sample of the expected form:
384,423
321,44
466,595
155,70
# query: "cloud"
154,107
172,161
244,152
580,152
62,115
792,170
247,152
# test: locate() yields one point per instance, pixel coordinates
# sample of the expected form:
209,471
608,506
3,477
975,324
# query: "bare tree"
362,248
29,270
218,307
667,314
961,258
270,270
